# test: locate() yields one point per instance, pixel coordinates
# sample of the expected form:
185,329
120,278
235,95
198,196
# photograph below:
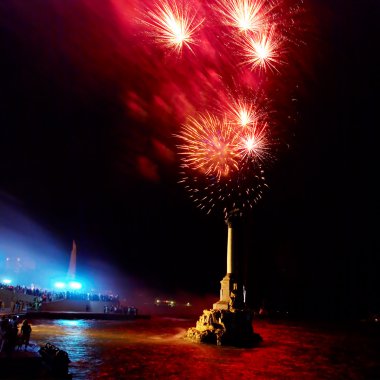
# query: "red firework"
243,43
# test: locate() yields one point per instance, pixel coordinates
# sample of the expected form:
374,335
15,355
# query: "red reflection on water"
156,349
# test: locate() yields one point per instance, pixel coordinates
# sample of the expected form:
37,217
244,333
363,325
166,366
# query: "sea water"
156,349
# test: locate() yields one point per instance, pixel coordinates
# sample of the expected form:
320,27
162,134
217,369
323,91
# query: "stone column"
230,265
231,290
226,285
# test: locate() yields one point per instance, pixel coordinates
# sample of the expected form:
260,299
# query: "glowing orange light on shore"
172,25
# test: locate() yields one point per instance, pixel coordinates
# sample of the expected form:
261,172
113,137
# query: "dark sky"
88,108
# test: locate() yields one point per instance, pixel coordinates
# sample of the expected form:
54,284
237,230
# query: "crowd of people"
128,310
44,295
11,336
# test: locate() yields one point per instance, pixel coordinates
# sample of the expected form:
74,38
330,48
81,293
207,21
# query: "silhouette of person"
26,330
4,325
10,337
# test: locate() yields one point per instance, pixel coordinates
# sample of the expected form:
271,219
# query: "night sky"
88,109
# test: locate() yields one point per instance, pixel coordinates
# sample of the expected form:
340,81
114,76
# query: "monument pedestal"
226,286
225,327
229,322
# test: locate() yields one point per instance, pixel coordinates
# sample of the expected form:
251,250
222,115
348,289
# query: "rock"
225,327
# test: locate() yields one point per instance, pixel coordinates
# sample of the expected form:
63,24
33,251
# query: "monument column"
227,283
230,264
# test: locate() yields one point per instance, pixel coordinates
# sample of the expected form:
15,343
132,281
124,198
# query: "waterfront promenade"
73,315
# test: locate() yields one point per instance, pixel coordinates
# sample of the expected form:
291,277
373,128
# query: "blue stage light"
75,285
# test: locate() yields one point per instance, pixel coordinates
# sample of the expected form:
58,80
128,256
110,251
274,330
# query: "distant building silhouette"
73,262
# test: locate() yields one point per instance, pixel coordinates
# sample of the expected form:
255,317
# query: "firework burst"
222,157
262,51
252,128
244,111
254,143
172,24
240,191
245,15
209,145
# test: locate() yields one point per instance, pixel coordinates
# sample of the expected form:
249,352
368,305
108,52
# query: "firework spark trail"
242,190
172,25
